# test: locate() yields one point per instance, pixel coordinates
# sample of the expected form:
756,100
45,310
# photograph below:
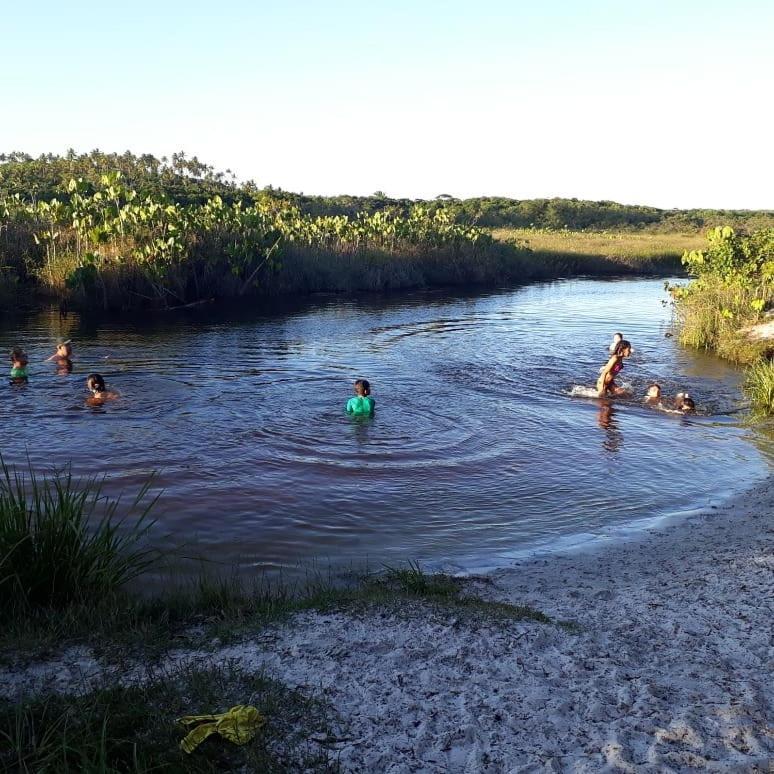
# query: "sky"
660,103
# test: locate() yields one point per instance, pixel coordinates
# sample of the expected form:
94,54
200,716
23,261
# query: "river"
477,452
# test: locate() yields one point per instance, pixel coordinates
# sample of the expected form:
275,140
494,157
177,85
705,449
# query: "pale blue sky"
664,103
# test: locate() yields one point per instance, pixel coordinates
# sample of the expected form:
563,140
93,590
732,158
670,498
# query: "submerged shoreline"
663,661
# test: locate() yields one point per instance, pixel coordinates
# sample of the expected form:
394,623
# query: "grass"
711,315
124,625
599,252
62,541
759,386
132,728
516,255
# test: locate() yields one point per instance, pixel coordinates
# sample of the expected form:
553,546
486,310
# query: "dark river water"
477,452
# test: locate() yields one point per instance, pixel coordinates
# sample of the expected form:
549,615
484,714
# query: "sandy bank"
669,670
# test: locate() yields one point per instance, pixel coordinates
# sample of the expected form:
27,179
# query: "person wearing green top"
362,404
18,363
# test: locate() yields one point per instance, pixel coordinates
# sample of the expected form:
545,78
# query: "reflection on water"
606,420
477,450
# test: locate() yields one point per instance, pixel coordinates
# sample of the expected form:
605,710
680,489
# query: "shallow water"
477,452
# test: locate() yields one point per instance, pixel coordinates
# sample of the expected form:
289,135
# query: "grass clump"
62,541
413,582
759,386
120,728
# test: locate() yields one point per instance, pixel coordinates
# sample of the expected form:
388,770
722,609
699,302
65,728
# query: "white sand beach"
670,668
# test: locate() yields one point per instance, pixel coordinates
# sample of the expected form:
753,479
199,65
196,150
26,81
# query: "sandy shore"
671,668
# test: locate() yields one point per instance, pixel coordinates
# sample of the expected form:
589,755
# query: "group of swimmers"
620,349
361,404
95,383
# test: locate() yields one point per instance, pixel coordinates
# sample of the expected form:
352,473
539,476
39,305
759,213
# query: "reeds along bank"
96,239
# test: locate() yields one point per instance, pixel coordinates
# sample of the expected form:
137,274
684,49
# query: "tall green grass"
712,313
759,386
63,541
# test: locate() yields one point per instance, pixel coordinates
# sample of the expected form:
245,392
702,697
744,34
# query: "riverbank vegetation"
63,542
723,308
118,232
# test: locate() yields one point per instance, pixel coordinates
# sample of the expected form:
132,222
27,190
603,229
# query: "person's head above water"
362,387
18,356
64,348
654,391
623,348
95,383
614,343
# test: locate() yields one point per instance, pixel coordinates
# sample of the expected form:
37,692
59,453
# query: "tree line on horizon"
185,180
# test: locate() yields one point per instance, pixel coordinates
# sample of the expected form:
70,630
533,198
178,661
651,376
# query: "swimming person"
362,404
95,383
64,350
63,356
684,402
606,383
19,362
653,395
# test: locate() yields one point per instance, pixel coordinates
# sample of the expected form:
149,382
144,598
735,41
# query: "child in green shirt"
362,404
18,363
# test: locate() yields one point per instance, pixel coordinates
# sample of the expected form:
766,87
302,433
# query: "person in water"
95,383
64,350
606,383
19,362
63,356
685,403
362,404
653,395
617,339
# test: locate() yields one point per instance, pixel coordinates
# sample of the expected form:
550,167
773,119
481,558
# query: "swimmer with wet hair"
617,339
362,404
685,403
606,383
95,383
653,395
19,362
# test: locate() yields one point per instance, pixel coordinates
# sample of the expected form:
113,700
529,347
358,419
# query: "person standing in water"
95,384
63,356
19,362
606,383
362,404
